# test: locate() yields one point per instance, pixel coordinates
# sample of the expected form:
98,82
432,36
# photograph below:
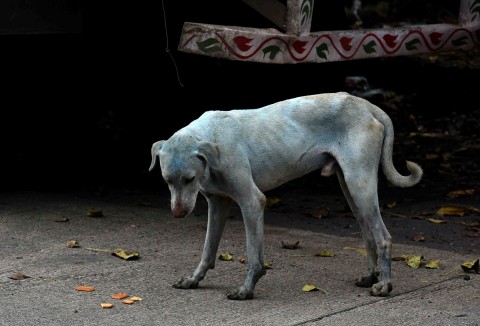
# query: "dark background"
80,108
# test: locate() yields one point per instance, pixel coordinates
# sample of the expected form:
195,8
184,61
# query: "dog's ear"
210,153
156,147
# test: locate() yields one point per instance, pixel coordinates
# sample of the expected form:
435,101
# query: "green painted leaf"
410,45
321,49
460,41
209,45
271,51
370,47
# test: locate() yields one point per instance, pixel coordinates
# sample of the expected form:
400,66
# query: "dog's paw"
381,289
367,281
186,283
240,294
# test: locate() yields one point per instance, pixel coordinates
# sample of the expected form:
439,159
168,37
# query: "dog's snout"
178,211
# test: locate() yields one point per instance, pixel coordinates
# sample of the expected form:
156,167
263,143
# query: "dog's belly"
274,173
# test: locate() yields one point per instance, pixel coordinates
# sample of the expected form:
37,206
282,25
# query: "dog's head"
185,162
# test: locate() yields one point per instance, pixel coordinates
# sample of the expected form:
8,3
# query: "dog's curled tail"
389,170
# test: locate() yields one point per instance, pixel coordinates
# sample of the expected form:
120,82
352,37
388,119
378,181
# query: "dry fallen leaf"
92,212
461,192
437,221
127,301
325,253
452,211
135,298
59,219
290,245
72,244
106,305
391,205
242,260
273,201
471,266
225,256
414,261
309,287
85,288
322,211
18,276
418,238
267,265
433,264
125,254
119,295
362,251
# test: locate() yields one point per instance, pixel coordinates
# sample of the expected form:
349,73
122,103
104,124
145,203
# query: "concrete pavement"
33,242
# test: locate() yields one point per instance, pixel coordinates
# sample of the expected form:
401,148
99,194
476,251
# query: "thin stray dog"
235,156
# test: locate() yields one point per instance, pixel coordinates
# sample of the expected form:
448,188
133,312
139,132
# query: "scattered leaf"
85,288
135,298
309,288
362,251
414,261
125,254
399,258
471,266
119,296
459,193
290,245
325,253
18,276
391,204
322,211
106,305
59,219
349,248
273,202
73,244
267,265
127,301
433,264
452,211
225,256
437,221
92,212
418,238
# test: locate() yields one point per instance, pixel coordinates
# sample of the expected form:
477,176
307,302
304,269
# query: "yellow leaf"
349,248
452,211
471,266
437,221
267,265
72,244
135,298
391,205
433,263
325,253
85,288
225,256
92,212
414,261
362,251
309,288
106,305
125,254
273,201
462,192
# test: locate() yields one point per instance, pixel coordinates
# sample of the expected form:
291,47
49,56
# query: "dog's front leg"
252,211
218,209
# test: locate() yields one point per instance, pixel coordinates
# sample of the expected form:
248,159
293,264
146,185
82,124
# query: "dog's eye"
188,180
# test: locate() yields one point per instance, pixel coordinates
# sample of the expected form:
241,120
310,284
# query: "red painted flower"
242,42
390,40
299,46
435,37
346,43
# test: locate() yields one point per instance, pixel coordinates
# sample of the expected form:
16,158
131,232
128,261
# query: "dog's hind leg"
252,210
218,210
361,193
